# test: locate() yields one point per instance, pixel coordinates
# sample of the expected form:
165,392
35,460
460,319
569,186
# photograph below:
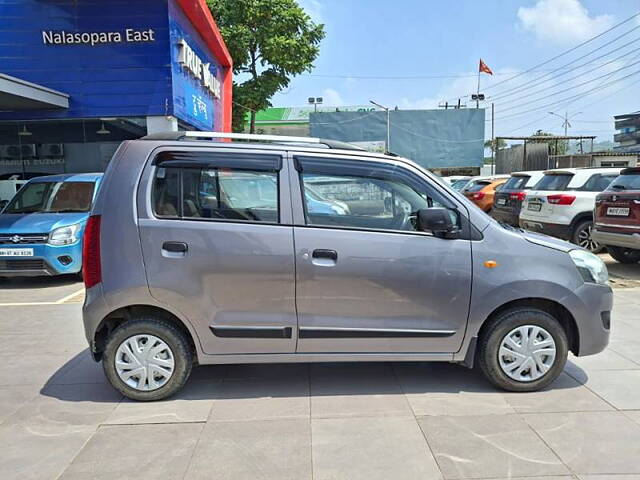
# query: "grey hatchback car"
200,251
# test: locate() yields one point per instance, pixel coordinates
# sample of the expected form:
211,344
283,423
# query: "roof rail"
196,135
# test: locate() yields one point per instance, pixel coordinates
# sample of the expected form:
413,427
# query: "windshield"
477,186
515,183
626,182
554,182
52,197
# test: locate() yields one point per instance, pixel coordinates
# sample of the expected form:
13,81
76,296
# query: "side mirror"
436,220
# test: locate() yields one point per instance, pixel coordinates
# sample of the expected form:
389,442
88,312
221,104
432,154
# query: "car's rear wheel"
147,359
582,236
624,255
523,350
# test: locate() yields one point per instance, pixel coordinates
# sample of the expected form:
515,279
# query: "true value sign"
200,70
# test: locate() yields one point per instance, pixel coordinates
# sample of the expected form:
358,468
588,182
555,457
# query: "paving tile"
208,373
44,319
356,390
82,370
14,397
564,395
490,446
297,371
591,442
39,452
371,448
271,449
609,477
607,360
633,415
67,406
261,399
628,349
134,452
621,388
31,369
192,404
442,389
37,289
18,344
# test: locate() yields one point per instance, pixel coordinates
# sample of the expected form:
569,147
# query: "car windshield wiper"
68,210
619,187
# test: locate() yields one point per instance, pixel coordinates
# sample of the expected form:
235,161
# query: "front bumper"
626,240
47,260
553,229
591,306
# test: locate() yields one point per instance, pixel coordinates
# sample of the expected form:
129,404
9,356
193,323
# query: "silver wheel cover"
527,353
144,362
585,240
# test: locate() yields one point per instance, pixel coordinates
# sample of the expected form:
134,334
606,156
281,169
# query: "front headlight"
590,266
64,235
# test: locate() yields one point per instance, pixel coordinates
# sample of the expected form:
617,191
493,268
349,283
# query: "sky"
372,46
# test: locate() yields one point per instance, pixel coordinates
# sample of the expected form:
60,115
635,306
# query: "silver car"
181,268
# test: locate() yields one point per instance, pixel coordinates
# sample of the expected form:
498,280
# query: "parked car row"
594,208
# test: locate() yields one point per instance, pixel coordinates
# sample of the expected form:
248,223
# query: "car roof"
68,177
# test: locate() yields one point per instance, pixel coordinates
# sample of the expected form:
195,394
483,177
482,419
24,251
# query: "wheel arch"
123,315
553,308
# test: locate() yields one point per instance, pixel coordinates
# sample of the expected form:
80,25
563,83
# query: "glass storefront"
33,148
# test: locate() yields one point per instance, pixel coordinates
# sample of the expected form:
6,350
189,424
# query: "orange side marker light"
491,264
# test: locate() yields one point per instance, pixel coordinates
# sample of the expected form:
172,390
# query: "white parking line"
57,302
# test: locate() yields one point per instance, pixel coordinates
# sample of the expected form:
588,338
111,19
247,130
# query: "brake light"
91,263
520,196
478,195
561,199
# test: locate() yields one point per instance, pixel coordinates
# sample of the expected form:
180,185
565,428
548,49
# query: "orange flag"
484,68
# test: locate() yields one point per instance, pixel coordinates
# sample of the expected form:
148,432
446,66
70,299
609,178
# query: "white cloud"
562,21
332,98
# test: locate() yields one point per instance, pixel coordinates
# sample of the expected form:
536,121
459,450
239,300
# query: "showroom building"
79,76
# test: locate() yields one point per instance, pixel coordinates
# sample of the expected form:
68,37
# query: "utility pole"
565,119
493,141
388,123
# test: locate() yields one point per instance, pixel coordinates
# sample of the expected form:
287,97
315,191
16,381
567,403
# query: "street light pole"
388,124
565,123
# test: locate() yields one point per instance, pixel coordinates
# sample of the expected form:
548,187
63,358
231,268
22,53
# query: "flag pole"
478,91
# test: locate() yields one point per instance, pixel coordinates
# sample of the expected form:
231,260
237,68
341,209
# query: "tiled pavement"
59,418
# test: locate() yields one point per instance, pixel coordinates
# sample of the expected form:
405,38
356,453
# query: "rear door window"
554,182
204,190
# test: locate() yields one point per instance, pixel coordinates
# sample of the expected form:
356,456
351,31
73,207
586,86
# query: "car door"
366,280
217,243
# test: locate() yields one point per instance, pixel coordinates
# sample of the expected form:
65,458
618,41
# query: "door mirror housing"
436,220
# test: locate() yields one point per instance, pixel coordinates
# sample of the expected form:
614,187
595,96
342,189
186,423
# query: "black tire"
582,228
624,255
167,332
497,330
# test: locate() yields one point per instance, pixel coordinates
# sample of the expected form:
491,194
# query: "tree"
270,41
499,143
556,147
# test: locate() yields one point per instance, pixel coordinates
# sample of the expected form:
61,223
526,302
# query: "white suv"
561,204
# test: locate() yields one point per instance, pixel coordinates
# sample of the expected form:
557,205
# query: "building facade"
79,76
628,137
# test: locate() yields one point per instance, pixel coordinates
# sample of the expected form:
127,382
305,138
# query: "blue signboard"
112,57
195,74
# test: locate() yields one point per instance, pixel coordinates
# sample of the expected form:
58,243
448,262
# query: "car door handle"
175,247
325,254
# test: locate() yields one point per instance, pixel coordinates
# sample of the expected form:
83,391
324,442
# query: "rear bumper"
626,240
507,216
553,229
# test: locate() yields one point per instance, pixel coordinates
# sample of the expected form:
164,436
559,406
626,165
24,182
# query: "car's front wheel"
624,255
147,359
523,350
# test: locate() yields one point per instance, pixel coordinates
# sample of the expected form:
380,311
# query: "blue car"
41,227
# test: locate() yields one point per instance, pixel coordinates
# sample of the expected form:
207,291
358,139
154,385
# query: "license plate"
618,212
16,252
501,201
534,207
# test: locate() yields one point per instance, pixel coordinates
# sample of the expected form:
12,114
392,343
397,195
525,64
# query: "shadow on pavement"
82,379
38,282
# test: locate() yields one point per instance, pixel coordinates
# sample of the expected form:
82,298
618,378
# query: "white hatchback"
561,204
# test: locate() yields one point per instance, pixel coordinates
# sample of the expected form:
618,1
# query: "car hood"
547,241
38,222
